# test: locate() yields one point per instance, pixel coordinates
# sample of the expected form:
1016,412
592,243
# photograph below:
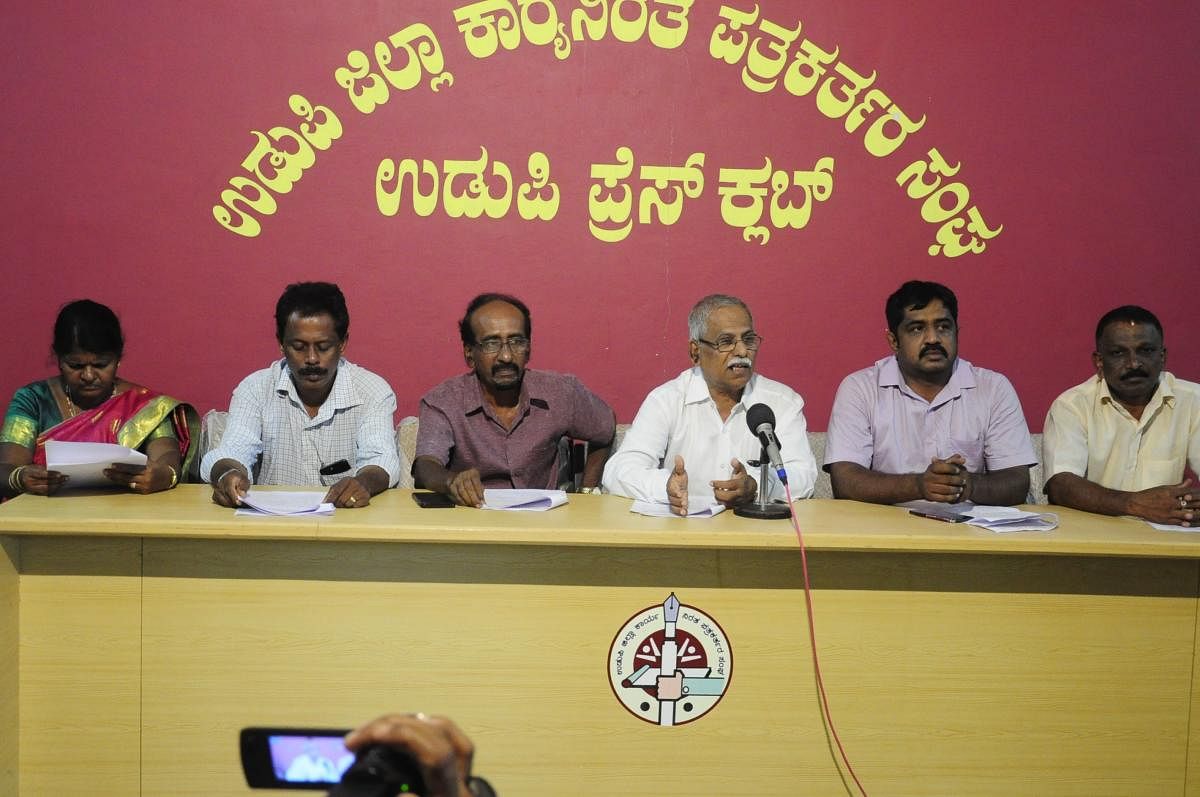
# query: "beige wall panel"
10,562
947,674
80,650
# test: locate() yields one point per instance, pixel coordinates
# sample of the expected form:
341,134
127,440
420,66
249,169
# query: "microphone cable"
827,715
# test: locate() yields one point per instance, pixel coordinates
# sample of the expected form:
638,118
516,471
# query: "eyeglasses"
727,343
517,344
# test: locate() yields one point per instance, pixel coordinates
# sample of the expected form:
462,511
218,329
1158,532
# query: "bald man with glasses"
499,425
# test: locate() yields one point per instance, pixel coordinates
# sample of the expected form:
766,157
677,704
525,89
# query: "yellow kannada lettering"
807,68
669,36
728,41
538,199
389,186
319,133
836,101
278,169
422,54
913,174
816,186
488,25
689,183
476,199
625,29
365,88
762,69
232,198
609,214
743,193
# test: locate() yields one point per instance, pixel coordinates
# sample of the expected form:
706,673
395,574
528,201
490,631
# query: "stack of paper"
523,500
259,503
1008,518
85,463
655,509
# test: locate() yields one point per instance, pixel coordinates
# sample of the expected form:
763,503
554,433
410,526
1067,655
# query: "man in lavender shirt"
500,424
924,424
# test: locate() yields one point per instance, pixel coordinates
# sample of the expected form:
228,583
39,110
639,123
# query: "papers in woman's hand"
85,463
259,503
523,500
655,509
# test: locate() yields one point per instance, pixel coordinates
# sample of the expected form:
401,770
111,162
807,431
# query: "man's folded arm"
853,481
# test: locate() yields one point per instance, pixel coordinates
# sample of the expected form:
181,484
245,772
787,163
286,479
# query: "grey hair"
698,318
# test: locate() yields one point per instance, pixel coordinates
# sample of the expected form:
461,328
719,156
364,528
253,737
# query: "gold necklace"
70,404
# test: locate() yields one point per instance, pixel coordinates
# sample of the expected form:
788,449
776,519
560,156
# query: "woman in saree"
88,402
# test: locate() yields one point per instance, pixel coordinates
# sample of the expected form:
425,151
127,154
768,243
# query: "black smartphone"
432,501
334,468
294,758
945,517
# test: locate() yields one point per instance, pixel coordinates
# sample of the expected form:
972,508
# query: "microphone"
761,421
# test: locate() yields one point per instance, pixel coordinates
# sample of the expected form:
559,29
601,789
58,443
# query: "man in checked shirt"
312,417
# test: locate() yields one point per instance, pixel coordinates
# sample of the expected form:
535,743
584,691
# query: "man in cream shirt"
1118,443
691,438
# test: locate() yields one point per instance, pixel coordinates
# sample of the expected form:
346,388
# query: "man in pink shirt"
499,424
924,424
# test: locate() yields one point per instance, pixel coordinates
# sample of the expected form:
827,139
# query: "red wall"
1074,124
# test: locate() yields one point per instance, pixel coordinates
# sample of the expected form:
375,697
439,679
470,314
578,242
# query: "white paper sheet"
993,518
283,503
655,509
1008,518
85,463
523,500
1171,527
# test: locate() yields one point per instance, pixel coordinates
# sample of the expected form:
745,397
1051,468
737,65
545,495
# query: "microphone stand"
762,509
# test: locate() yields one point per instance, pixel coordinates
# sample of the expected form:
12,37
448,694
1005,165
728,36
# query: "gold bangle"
14,480
174,477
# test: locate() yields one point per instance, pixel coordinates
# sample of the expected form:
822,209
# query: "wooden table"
139,633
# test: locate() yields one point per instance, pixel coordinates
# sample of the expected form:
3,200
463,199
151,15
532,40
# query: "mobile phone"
432,501
945,517
334,468
294,758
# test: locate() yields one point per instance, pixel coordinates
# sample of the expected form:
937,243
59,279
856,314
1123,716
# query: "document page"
523,500
655,509
85,463
284,503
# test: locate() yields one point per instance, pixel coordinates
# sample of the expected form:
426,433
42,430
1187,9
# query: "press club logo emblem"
670,664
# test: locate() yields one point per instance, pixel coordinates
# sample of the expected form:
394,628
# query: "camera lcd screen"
309,759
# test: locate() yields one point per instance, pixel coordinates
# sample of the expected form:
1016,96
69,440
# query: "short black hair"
308,299
88,326
1127,312
916,294
464,326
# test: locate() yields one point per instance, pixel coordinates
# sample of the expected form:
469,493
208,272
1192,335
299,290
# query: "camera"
316,759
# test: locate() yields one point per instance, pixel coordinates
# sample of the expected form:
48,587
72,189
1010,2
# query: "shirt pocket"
971,450
1157,472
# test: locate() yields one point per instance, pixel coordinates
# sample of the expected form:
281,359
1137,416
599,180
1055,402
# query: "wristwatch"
592,490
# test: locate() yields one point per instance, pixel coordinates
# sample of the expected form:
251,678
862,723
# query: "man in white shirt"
690,439
1118,444
312,417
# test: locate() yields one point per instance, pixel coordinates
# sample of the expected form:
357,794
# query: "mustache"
1135,372
933,347
739,361
313,370
500,368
